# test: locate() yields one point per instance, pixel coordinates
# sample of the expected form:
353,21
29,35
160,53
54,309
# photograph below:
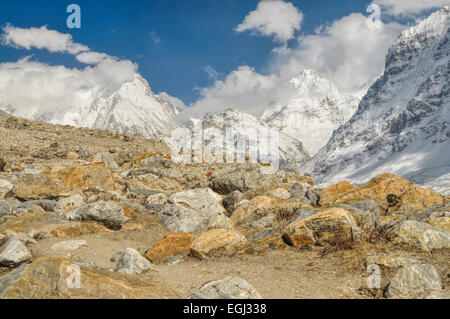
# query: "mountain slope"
133,109
402,125
315,109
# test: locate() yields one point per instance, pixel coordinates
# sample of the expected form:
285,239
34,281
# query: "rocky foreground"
137,225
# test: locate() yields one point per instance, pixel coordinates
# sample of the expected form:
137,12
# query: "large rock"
69,245
188,211
108,213
72,230
130,261
420,235
414,280
390,259
393,194
5,208
67,204
240,178
14,252
60,181
244,211
51,277
334,227
218,242
155,202
365,211
226,288
171,245
330,194
5,188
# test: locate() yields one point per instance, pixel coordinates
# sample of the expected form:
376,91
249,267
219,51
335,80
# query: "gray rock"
46,204
5,208
108,213
226,288
108,159
5,188
155,202
130,261
414,280
264,221
8,280
365,211
280,193
71,202
69,245
420,235
14,252
240,178
185,211
231,199
155,161
298,190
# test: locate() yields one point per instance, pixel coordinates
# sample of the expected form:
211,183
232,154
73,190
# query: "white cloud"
27,85
348,52
155,37
211,72
273,18
409,7
179,104
41,38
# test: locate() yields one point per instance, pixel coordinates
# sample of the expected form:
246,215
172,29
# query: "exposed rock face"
218,242
331,227
108,213
188,210
59,182
171,245
240,178
47,277
14,252
130,261
414,280
226,288
392,193
420,235
401,125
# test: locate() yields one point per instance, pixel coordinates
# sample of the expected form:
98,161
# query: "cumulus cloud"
275,18
41,38
348,52
27,86
409,7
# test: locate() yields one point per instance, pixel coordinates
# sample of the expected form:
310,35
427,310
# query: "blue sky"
192,35
192,50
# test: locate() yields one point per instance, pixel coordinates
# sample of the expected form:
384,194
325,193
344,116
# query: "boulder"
78,229
14,252
69,245
60,181
240,178
414,280
218,242
392,193
333,227
420,235
108,213
186,211
130,261
155,202
390,259
172,244
53,277
365,211
226,288
67,204
5,208
280,193
5,187
231,199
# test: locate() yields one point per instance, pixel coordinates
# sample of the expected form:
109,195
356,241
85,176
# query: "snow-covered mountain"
314,109
133,109
291,152
402,125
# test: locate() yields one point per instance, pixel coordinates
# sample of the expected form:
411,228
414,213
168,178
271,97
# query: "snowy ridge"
402,125
314,110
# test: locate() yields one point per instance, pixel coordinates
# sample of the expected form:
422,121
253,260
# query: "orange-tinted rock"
393,193
329,195
60,181
242,212
170,245
332,227
54,277
78,229
218,242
